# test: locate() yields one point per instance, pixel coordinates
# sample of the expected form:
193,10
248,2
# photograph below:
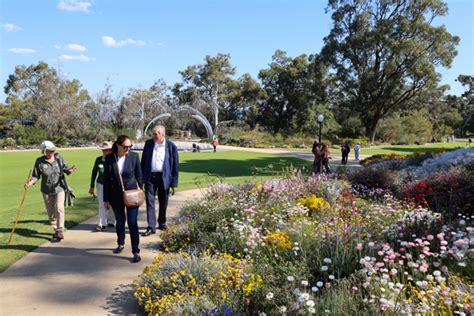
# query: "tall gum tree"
383,53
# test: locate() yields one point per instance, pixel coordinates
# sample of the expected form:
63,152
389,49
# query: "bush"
7,142
414,128
28,134
372,178
452,192
168,285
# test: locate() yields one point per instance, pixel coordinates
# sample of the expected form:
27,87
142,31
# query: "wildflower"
371,244
327,260
332,277
314,289
324,268
319,284
310,303
304,283
269,295
290,278
311,310
282,309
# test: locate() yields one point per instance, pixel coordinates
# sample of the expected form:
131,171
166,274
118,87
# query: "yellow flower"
278,239
314,204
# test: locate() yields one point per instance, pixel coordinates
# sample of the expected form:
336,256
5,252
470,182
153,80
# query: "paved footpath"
80,275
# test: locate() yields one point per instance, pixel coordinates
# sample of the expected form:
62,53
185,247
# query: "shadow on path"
123,302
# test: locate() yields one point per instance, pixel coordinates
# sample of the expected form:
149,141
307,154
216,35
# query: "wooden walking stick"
21,208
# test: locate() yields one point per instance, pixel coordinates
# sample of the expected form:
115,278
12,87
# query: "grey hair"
161,128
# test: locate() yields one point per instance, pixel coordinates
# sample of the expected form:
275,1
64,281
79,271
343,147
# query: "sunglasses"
126,147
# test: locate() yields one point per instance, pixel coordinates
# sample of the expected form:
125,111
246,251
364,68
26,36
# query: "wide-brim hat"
106,145
47,145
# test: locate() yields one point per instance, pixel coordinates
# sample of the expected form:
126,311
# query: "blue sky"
133,43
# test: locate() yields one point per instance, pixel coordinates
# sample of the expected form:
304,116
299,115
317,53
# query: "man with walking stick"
51,168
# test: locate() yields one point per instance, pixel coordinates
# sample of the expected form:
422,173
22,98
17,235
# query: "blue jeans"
132,220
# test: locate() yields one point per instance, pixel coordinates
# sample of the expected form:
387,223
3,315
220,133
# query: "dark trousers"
156,186
344,158
132,219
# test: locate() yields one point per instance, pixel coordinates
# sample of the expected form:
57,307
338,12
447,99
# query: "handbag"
132,198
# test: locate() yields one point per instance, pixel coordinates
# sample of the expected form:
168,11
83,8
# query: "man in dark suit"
160,173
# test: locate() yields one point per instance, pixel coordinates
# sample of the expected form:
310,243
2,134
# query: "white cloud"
74,6
75,58
72,47
22,51
10,27
109,41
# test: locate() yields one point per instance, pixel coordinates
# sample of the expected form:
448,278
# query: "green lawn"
33,228
408,150
397,149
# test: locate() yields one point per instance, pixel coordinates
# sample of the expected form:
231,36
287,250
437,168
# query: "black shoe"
100,228
118,249
59,235
136,258
111,225
55,238
148,232
162,227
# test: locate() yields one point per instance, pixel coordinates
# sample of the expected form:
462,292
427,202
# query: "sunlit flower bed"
309,246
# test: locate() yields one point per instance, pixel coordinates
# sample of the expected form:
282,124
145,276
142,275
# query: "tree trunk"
370,128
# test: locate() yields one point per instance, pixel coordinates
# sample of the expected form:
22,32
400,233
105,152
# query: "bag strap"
119,174
61,171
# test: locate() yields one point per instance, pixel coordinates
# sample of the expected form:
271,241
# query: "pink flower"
359,247
424,268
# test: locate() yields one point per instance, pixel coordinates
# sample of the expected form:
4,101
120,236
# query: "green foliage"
372,178
294,89
28,134
261,139
414,128
384,54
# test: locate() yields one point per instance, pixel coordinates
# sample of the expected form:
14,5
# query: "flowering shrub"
314,204
452,192
178,283
417,193
372,178
443,162
320,249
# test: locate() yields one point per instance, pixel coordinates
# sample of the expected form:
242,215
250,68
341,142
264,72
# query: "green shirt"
98,171
50,174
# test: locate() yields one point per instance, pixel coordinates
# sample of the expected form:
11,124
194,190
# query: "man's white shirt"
158,157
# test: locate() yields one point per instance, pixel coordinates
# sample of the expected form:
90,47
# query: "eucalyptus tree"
208,86
385,53
467,104
294,94
44,99
140,105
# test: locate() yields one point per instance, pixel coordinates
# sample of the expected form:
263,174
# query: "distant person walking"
356,151
345,153
325,155
214,143
125,164
160,166
51,168
106,216
318,161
